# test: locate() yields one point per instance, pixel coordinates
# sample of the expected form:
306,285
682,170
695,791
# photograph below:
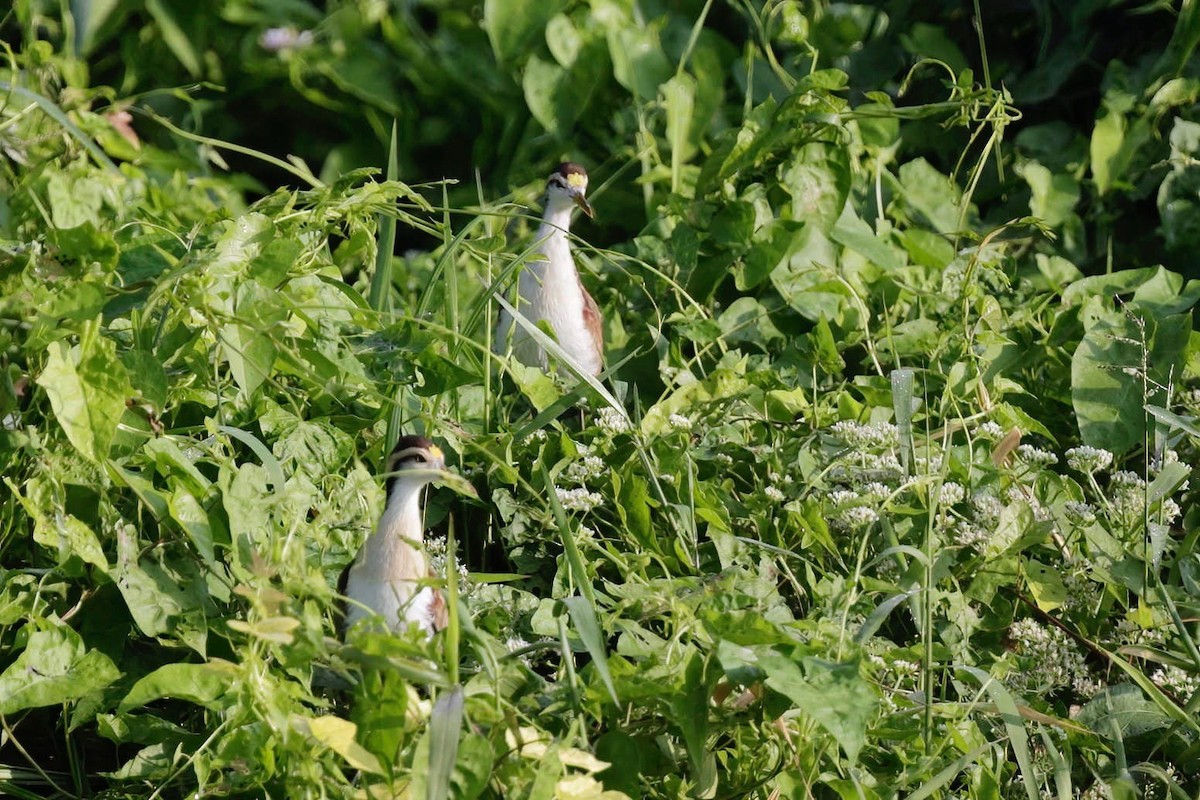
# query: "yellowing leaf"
338,735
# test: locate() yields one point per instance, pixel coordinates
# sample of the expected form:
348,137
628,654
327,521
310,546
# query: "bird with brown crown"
549,288
389,577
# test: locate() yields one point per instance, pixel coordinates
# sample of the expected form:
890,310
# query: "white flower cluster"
1052,660
951,493
1179,682
1089,459
860,435
680,422
612,421
578,499
774,495
858,516
868,468
1036,456
586,468
1081,514
969,535
987,508
990,430
436,550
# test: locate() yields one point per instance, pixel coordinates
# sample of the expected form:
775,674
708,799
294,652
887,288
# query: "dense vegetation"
888,490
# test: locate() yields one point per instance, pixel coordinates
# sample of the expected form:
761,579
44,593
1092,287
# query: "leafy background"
887,491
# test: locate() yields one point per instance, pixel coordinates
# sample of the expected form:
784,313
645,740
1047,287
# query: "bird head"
415,458
568,184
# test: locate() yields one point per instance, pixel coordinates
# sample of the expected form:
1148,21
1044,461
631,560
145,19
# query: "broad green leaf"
639,63
75,202
512,24
817,176
833,694
1107,138
192,518
1106,388
87,393
1125,707
931,194
338,735
202,684
1054,195
1046,586
679,97
55,667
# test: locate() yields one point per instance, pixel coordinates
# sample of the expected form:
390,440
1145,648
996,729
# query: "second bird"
549,288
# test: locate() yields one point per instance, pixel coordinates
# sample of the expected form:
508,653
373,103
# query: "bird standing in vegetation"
549,287
387,574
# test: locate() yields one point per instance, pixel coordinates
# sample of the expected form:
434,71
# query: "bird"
549,288
388,574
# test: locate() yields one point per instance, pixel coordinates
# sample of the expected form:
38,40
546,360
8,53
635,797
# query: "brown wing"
594,323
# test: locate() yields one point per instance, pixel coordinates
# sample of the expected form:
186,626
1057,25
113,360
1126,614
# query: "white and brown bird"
390,575
549,288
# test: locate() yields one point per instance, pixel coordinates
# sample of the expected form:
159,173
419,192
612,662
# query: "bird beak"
583,204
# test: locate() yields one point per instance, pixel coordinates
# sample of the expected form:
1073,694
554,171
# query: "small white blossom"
1177,681
860,435
1089,459
990,430
1051,660
578,499
612,421
680,422
1079,513
843,497
951,493
987,508
774,494
1035,455
1125,479
969,535
288,38
858,516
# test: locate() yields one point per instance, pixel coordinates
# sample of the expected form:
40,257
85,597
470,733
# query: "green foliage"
887,491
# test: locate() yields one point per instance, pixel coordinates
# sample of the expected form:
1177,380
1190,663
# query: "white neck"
393,550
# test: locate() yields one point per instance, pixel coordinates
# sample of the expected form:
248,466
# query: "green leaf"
512,24
679,97
445,727
202,684
817,177
1124,707
639,63
87,394
54,668
174,35
1107,137
587,625
1047,587
833,694
338,735
1106,387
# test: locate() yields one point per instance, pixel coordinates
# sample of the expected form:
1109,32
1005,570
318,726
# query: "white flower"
288,38
970,536
858,516
1089,459
612,421
774,494
578,499
865,435
990,430
1035,455
1051,660
680,422
1079,513
987,508
951,493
